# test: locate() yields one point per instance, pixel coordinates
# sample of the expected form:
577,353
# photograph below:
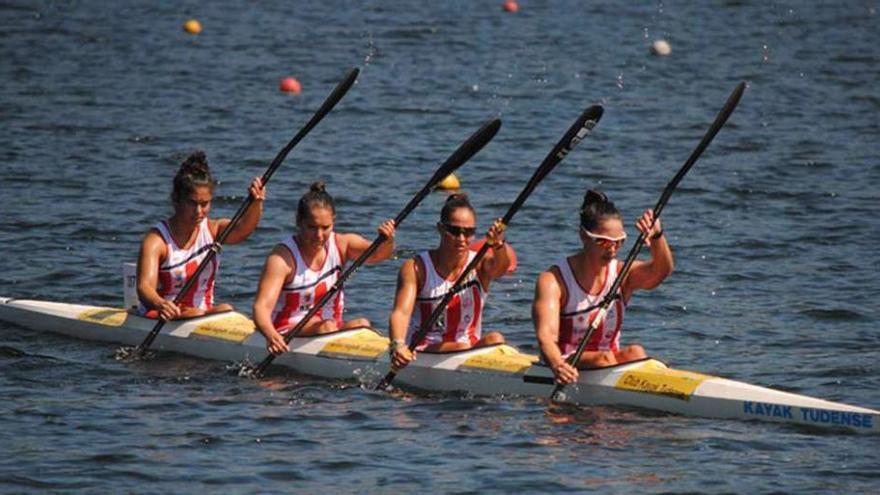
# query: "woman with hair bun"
424,280
568,294
303,267
172,250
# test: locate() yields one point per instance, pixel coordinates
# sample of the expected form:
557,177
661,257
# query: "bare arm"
497,261
545,314
279,265
404,301
355,245
249,220
649,274
149,259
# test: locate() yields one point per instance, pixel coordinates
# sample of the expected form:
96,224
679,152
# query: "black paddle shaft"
331,101
575,134
720,119
464,153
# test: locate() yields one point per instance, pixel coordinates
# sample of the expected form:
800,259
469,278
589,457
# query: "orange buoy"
290,85
450,182
510,6
476,245
192,26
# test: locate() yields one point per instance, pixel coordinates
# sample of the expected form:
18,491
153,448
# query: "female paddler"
567,295
172,250
425,279
300,270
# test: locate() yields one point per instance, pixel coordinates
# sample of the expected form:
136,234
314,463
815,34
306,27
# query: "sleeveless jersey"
462,320
180,264
579,310
308,286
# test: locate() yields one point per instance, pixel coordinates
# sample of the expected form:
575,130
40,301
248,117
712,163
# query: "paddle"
331,101
575,134
464,153
720,119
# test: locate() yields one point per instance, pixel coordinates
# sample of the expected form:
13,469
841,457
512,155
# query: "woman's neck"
311,252
588,266
181,231
448,262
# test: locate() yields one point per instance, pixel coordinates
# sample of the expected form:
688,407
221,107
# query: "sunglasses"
605,241
455,230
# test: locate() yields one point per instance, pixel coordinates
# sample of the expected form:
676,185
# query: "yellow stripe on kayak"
502,358
363,343
104,316
233,327
654,377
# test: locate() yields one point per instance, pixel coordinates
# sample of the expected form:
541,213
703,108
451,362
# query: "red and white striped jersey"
308,286
462,320
580,309
179,266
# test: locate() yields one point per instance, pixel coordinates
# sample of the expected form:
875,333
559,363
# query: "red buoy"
290,85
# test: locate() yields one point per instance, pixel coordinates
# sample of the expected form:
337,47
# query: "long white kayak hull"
495,370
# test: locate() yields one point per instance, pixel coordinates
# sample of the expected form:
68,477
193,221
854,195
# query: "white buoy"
661,47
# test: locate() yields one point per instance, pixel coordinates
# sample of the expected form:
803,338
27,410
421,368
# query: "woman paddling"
425,279
173,249
567,295
301,269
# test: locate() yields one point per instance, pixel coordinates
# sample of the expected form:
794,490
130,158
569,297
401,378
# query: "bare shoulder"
548,281
153,242
346,241
281,253
215,226
410,272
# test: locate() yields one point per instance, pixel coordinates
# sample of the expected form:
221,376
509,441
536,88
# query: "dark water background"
775,231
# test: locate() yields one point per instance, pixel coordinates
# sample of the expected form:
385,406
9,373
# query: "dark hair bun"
193,172
462,197
594,196
196,163
595,208
318,187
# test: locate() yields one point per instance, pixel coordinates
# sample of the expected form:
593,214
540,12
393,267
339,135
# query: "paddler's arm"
404,302
277,268
249,220
355,245
545,315
149,259
649,274
497,264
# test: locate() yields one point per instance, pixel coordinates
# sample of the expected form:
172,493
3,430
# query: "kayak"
495,370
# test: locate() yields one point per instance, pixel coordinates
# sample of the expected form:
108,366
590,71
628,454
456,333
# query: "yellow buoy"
449,182
192,26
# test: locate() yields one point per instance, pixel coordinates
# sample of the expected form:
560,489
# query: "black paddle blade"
468,149
476,142
335,96
572,137
717,124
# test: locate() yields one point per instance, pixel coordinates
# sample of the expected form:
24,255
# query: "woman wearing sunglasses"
567,296
424,280
302,268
